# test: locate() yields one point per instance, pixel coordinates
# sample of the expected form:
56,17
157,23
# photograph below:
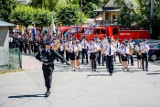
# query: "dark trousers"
84,54
144,60
110,64
119,56
103,59
99,57
67,55
131,58
47,73
93,57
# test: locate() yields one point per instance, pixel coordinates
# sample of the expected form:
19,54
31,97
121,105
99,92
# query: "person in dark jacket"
47,56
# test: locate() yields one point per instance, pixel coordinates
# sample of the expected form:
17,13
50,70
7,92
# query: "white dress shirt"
124,51
84,44
107,51
93,47
145,48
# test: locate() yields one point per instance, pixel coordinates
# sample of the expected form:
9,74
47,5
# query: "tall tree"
6,6
70,15
47,4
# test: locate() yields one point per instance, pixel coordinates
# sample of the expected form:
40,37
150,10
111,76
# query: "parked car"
154,51
150,41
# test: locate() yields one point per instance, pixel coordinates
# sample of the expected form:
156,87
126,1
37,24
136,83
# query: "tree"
47,4
6,6
69,15
26,15
22,15
88,10
41,17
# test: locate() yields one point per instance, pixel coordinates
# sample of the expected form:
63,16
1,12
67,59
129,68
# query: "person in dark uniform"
47,56
109,52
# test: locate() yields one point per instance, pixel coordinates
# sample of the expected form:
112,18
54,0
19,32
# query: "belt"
47,63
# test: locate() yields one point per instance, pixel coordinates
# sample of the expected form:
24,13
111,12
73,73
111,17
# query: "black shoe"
47,94
110,74
146,69
95,70
102,64
127,69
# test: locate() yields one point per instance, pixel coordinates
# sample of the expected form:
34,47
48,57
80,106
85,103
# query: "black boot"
47,93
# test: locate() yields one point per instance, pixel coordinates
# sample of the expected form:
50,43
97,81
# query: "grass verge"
10,71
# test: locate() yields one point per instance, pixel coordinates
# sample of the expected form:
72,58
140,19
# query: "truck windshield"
88,31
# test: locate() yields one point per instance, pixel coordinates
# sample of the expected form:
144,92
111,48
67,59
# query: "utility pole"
81,13
151,15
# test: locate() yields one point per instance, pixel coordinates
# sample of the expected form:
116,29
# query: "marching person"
117,46
67,45
47,56
99,51
61,49
84,50
110,51
131,49
93,50
139,54
124,56
79,49
105,44
73,52
145,50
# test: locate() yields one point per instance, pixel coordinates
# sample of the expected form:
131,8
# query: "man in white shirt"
131,49
110,51
145,50
84,45
93,50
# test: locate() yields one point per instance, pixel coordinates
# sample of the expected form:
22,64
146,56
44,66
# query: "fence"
10,58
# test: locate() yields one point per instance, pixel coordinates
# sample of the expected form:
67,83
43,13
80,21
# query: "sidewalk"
29,62
82,88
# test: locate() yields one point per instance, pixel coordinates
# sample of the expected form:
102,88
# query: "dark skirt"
73,56
78,56
139,56
124,58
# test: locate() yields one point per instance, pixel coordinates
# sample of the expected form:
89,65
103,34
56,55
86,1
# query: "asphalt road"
82,88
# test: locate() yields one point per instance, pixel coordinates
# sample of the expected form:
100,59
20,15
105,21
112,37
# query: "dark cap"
140,40
47,43
109,41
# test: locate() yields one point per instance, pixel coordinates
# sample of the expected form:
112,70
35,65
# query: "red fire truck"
115,32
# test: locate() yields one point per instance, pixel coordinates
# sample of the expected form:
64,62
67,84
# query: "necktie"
110,50
117,44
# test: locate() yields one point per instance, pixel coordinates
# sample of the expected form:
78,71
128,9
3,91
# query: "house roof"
110,4
109,7
5,24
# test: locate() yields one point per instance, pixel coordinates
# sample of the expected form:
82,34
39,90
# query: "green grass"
11,71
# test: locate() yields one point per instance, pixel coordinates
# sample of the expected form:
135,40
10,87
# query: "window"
115,31
97,31
107,16
114,17
103,31
88,31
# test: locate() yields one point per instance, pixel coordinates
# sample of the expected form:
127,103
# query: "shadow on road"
153,73
98,75
27,96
